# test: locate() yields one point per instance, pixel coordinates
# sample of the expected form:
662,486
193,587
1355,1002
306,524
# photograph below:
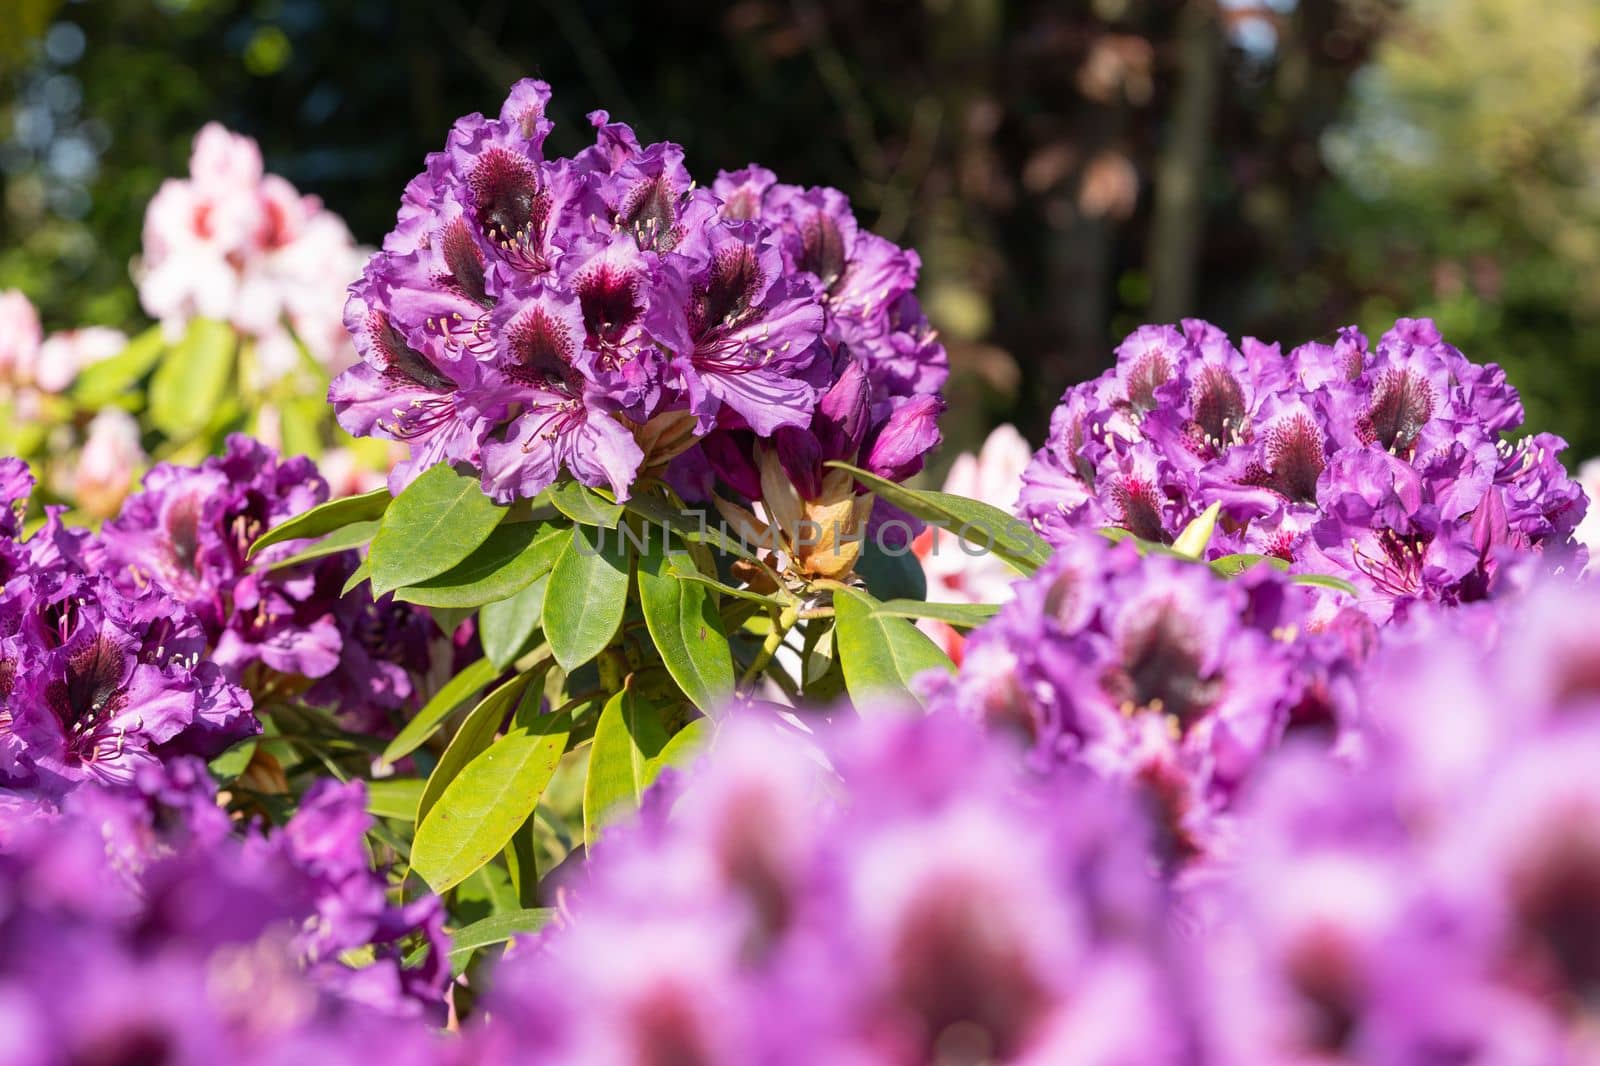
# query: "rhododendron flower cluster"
597,316
1385,466
188,533
903,895
31,361
1158,671
234,243
138,927
1441,894
96,681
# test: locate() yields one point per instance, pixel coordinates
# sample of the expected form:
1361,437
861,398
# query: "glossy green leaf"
513,556
394,797
684,747
449,619
439,520
977,523
1326,581
1234,565
477,732
454,694
487,802
189,386
961,615
893,573
583,504
587,595
325,518
691,526
628,736
109,380
231,763
495,929
684,573
358,577
684,624
880,654
340,540
506,627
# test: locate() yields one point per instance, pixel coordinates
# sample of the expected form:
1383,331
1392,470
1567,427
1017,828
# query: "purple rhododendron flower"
1156,671
545,318
900,894
137,929
98,683
188,533
1383,466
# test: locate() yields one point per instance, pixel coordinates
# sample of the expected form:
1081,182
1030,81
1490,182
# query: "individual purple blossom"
1383,466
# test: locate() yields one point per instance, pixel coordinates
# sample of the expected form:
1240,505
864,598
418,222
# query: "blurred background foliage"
1067,168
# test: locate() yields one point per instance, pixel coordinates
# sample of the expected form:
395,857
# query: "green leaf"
487,802
1326,581
684,624
587,595
506,627
1191,543
960,615
231,763
325,518
892,573
477,732
512,557
1234,565
880,655
658,512
495,929
340,540
684,747
394,797
583,504
683,573
449,619
189,385
361,574
438,521
628,736
104,383
455,693
977,523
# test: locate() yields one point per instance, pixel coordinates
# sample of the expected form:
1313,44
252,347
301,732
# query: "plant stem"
769,647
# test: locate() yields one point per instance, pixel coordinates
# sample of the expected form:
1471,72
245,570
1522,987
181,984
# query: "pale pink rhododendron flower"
234,243
106,466
20,336
955,574
65,355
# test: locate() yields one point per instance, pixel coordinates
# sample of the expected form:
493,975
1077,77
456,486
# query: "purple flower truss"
1387,467
596,317
1156,671
922,900
187,533
97,682
138,927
